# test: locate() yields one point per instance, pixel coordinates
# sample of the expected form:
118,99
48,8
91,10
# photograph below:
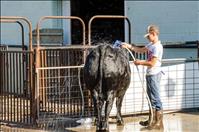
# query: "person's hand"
137,62
125,45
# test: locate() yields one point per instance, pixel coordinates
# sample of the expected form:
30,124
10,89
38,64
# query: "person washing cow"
154,50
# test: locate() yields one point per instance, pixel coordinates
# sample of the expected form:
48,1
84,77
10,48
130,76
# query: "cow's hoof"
102,130
120,122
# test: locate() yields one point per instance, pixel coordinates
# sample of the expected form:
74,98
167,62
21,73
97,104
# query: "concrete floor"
173,122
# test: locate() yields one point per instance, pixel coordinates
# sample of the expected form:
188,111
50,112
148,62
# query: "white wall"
178,20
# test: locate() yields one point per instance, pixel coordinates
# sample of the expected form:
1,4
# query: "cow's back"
108,68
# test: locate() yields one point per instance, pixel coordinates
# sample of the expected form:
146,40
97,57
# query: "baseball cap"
150,29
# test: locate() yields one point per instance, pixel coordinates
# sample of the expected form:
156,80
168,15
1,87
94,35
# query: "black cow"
107,75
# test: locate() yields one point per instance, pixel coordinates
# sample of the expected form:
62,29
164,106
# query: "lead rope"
142,82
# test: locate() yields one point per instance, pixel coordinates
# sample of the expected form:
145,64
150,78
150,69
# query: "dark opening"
101,29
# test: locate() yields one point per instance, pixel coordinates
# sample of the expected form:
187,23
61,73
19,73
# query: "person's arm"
150,63
134,48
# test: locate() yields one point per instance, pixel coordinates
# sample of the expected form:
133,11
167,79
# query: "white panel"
189,66
196,73
164,82
180,82
180,67
189,74
196,80
189,81
172,68
177,89
180,74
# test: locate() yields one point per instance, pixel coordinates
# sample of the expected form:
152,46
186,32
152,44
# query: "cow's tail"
101,63
101,105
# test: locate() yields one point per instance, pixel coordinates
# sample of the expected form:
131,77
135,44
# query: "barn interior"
107,30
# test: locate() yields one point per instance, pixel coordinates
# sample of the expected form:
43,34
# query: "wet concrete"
173,122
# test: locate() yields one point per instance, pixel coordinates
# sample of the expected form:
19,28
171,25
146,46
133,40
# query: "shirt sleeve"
155,52
158,51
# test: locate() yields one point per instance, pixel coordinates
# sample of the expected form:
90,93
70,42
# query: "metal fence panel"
15,86
60,88
59,92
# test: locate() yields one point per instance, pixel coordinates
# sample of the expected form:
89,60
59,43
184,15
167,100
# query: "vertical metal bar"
1,85
12,74
56,80
29,99
69,84
18,82
42,81
28,86
66,80
14,86
54,100
6,83
52,80
10,87
46,81
25,84
42,100
62,82
37,91
20,86
55,89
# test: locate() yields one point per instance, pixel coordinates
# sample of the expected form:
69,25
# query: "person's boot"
146,123
159,121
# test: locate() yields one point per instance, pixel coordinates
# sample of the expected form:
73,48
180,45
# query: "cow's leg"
95,102
119,105
98,104
108,107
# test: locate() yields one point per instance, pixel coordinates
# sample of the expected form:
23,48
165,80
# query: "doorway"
103,30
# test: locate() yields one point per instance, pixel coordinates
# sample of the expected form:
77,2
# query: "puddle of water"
174,122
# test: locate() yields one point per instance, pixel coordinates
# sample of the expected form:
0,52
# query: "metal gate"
16,78
60,93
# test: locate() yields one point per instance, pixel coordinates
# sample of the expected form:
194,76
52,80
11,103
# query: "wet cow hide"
107,76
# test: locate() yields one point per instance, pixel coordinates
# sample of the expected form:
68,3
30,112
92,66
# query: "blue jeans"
153,90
